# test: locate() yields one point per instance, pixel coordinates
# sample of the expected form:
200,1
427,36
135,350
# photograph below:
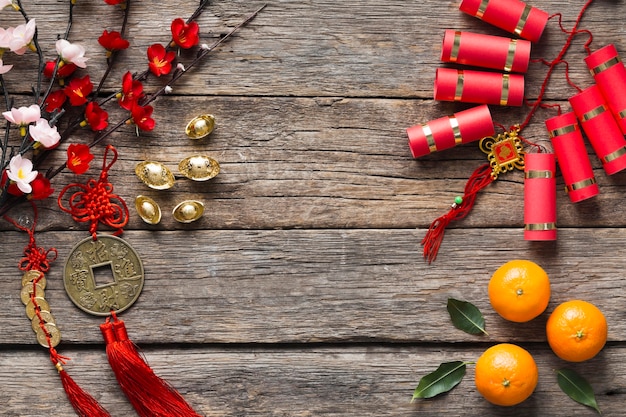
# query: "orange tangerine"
519,290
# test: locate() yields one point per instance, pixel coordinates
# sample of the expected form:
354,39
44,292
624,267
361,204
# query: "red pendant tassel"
84,404
432,241
150,395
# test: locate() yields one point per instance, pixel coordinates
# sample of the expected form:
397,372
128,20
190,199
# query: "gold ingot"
155,175
188,211
53,332
29,289
32,275
199,167
148,209
31,310
200,126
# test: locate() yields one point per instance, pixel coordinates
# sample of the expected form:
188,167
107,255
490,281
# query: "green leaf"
577,388
446,377
466,316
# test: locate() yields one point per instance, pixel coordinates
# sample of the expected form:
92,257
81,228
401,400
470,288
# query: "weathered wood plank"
322,164
364,381
315,47
324,285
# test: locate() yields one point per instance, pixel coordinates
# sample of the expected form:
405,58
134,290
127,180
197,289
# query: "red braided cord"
479,179
35,258
95,201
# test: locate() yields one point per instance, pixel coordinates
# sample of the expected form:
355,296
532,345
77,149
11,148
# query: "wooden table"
302,291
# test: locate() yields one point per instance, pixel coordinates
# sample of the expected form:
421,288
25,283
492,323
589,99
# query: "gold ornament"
504,152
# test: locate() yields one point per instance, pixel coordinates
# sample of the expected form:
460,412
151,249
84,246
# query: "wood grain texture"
302,291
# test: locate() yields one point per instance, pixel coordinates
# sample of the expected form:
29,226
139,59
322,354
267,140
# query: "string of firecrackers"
69,95
599,111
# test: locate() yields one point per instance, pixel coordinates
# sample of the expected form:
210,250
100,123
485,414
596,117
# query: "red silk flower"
112,41
41,188
141,117
78,158
132,91
97,118
78,90
115,2
160,60
55,100
184,34
63,71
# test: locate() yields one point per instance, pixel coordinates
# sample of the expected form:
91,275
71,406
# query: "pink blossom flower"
45,134
24,115
21,171
4,68
21,37
71,52
5,38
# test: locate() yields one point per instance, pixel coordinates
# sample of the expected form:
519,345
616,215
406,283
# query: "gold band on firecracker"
504,98
538,174
454,124
540,226
594,113
430,139
482,9
510,58
456,46
522,20
458,93
605,66
580,184
563,130
613,155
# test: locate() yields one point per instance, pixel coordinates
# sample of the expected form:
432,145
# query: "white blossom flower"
21,36
21,171
4,68
24,115
168,89
71,52
181,67
45,134
5,3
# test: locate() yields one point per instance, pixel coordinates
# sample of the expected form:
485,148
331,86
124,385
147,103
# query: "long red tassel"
432,241
84,404
150,395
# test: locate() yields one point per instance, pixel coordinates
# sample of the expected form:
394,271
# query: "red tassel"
150,395
432,241
84,404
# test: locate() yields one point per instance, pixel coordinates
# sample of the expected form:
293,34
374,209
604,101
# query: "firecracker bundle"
490,71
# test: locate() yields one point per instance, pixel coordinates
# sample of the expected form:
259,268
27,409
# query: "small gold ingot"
155,175
199,167
188,211
148,209
200,126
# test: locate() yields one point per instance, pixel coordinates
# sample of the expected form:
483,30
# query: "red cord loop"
95,201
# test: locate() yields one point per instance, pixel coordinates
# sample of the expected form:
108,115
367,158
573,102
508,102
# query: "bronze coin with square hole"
103,275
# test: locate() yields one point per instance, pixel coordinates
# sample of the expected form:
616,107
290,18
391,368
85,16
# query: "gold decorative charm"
188,211
199,167
200,126
504,152
148,209
155,175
